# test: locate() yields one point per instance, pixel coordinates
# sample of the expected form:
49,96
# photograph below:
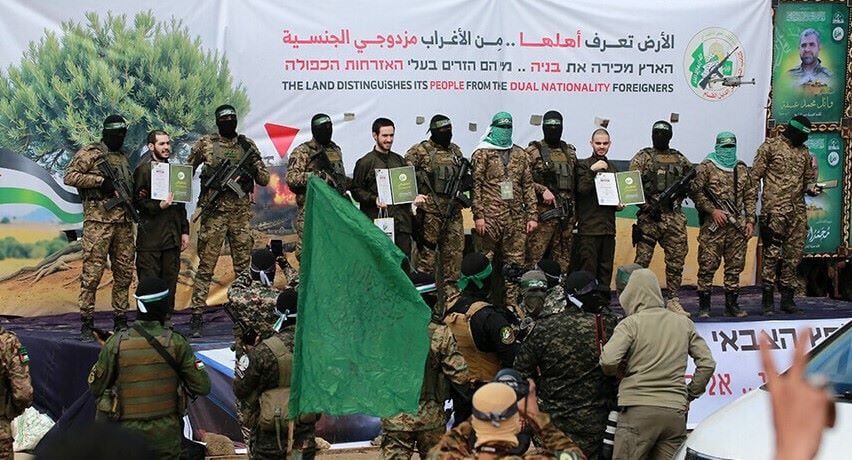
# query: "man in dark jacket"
163,228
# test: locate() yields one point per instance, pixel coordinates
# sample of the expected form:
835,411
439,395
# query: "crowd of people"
530,296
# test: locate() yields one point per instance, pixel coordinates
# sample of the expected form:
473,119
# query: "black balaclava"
226,121
476,272
321,128
583,287
797,130
115,129
551,270
286,306
661,134
551,126
152,299
263,266
442,130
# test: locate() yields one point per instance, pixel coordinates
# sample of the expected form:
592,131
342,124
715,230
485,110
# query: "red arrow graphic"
281,136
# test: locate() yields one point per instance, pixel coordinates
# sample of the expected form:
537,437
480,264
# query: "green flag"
361,336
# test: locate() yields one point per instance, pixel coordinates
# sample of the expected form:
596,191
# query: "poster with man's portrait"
809,62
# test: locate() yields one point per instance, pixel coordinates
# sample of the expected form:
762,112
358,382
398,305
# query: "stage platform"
60,363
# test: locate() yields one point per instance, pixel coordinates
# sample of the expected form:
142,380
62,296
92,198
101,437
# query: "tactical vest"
558,174
667,169
284,358
220,154
482,366
445,167
118,162
335,159
147,385
435,386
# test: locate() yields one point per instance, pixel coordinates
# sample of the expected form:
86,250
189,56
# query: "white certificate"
159,181
606,189
383,186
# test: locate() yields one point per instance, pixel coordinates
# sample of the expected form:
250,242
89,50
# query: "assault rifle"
122,191
457,186
561,211
325,172
730,209
715,69
225,177
674,192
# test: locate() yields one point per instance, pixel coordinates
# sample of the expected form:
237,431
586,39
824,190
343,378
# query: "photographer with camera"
561,355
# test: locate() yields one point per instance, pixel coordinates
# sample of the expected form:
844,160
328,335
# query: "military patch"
507,335
92,375
199,365
23,356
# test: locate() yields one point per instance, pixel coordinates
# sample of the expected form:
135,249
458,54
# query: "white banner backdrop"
630,62
738,366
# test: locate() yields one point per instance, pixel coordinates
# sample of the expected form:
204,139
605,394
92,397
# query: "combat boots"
731,306
674,305
787,303
703,304
119,322
86,334
195,323
768,303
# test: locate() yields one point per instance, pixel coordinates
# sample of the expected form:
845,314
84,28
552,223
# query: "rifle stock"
670,195
730,209
224,178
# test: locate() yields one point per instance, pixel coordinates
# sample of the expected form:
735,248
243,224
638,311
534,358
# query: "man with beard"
106,232
810,71
319,156
229,216
552,163
440,161
594,250
485,333
365,189
561,355
783,163
661,166
166,229
504,203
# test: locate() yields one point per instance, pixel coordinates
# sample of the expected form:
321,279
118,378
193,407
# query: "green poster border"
844,127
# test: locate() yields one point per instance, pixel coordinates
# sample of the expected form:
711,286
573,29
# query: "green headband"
664,126
799,126
552,121
320,121
477,278
116,125
533,284
726,141
225,112
502,123
439,124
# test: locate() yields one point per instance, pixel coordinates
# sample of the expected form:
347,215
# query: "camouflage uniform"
561,354
16,391
457,444
728,242
230,217
302,163
424,429
786,172
441,165
262,374
105,233
504,195
552,169
254,305
147,386
659,170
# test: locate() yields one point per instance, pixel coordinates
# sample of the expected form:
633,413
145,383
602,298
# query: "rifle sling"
170,360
